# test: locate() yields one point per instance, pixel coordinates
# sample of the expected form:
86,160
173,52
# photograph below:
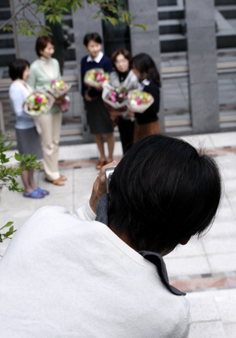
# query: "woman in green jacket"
42,72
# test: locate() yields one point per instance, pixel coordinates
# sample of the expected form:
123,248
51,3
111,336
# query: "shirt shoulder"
84,58
55,61
14,88
105,59
34,65
152,88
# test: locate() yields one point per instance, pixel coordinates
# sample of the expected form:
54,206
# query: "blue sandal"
43,191
34,194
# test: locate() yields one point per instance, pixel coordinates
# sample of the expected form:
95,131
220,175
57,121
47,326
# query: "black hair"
145,64
162,192
92,37
17,68
41,43
121,51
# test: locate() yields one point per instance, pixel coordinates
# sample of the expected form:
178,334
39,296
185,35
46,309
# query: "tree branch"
15,14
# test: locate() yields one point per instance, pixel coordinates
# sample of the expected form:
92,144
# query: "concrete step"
161,3
5,13
171,26
6,41
226,39
4,4
6,56
170,12
1,30
229,12
173,43
224,2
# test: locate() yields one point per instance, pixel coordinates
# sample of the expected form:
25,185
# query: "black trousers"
126,129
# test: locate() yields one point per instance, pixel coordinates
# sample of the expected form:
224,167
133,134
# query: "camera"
108,174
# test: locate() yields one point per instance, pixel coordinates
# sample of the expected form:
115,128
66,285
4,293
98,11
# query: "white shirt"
18,93
69,276
97,58
141,85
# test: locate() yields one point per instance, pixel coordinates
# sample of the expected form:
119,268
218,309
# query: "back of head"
17,68
162,192
145,64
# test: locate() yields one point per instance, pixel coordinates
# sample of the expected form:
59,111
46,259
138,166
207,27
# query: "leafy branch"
8,233
8,175
26,19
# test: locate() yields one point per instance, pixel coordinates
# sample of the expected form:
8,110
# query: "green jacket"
38,79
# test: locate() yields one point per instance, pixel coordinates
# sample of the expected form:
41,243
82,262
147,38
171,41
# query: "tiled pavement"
205,267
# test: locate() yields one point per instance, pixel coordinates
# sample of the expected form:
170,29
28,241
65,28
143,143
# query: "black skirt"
98,117
28,142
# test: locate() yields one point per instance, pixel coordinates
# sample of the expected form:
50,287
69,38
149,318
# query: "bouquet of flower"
96,78
58,88
38,103
115,97
139,101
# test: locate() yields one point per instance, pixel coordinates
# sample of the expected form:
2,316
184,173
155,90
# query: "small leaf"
113,21
18,157
6,225
144,27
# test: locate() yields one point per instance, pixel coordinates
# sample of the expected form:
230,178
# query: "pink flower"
53,81
145,101
139,101
101,79
123,94
113,99
113,93
38,99
132,96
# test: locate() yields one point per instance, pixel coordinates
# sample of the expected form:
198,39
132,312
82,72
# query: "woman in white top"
42,72
28,141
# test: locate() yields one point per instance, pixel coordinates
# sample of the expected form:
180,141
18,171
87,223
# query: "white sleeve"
17,100
85,213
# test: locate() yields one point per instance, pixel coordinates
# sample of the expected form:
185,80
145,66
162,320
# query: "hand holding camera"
100,185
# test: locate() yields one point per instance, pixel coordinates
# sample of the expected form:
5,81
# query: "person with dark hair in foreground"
100,273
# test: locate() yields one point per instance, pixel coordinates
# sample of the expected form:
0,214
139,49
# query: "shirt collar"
142,84
97,59
146,82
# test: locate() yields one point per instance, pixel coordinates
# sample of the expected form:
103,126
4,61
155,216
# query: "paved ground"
205,268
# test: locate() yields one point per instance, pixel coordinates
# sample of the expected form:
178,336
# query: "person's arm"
58,69
17,100
88,211
82,72
32,78
154,108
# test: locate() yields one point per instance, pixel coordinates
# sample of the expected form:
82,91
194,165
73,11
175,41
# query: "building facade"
192,42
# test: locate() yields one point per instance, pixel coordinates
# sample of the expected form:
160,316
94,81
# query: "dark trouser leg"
126,129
